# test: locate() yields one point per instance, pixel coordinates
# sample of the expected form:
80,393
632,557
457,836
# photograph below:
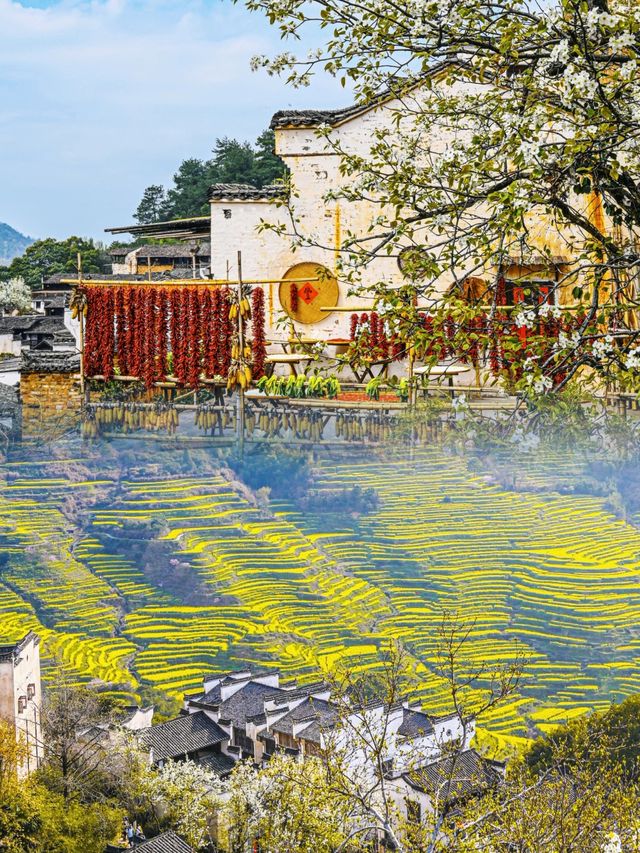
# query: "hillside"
12,243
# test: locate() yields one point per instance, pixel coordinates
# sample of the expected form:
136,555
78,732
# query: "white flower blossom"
603,347
632,360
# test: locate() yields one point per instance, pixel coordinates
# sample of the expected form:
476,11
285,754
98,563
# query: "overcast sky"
100,98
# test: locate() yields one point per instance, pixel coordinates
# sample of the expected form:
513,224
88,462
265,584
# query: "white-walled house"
260,716
21,696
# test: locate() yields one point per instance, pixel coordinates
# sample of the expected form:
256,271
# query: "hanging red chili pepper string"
135,351
174,327
90,336
181,320
374,335
149,338
193,339
129,336
258,343
107,332
204,311
121,331
226,332
213,334
161,334
354,327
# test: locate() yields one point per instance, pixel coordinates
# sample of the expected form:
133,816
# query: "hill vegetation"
44,258
12,243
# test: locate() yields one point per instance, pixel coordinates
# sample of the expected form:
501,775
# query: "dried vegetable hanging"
258,343
188,332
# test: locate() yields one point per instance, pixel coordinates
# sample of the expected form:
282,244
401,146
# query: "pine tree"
152,206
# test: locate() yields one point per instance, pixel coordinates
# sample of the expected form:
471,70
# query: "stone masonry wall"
50,401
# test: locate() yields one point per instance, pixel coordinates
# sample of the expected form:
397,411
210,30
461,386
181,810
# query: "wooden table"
294,360
289,345
366,369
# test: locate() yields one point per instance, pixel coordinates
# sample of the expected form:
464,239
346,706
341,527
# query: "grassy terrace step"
549,574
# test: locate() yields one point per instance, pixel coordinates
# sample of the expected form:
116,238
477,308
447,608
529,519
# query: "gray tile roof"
315,118
306,690
18,324
168,842
176,250
455,776
317,711
415,723
246,702
217,762
246,192
183,735
50,362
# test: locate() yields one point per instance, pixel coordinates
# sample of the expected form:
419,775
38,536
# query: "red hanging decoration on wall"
294,297
258,343
211,326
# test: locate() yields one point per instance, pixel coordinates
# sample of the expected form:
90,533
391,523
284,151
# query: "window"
31,691
414,812
22,704
529,292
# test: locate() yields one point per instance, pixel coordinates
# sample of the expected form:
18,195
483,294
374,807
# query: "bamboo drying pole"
241,412
81,332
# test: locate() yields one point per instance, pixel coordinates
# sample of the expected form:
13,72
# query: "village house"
260,717
188,260
322,307
21,696
194,737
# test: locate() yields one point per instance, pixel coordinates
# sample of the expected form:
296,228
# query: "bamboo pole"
241,406
178,282
81,332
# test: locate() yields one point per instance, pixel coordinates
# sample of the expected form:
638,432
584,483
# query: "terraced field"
534,569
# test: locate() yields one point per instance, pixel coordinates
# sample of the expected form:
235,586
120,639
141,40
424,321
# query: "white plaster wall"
9,345
15,679
314,170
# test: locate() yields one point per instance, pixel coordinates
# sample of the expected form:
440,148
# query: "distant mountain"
12,243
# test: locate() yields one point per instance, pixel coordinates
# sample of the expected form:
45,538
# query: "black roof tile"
455,776
217,762
182,735
314,710
246,192
415,723
50,362
168,842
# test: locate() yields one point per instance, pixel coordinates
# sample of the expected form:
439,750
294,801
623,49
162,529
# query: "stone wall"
50,402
